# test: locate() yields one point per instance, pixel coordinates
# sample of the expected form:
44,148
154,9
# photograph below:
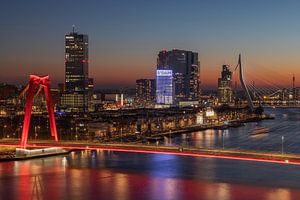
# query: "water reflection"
286,124
119,175
279,193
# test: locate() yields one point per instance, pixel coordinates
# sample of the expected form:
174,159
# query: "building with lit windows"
76,95
145,91
186,72
225,93
164,87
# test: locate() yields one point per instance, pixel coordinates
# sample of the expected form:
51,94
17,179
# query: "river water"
124,176
286,124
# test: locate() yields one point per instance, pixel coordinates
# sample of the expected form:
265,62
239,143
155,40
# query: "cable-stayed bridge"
269,93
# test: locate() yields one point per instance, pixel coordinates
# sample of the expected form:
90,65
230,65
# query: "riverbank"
16,154
233,123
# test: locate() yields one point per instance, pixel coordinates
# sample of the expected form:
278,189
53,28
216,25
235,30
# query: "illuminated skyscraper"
164,87
225,86
186,71
75,97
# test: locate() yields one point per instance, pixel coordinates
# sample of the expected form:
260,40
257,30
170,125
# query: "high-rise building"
90,94
145,91
164,87
75,97
225,86
186,71
76,62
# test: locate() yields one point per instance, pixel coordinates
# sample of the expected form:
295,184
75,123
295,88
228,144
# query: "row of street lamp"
282,142
223,137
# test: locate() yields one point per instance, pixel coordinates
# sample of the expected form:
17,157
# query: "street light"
282,141
35,134
223,140
224,133
3,132
121,134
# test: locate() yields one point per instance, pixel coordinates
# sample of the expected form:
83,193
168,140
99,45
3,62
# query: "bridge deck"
235,154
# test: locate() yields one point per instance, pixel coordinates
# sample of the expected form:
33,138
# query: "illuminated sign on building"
164,73
210,113
164,87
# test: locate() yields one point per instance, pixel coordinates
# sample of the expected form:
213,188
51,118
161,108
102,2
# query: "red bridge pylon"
44,83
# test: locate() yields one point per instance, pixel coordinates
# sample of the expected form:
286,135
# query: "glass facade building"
164,87
186,72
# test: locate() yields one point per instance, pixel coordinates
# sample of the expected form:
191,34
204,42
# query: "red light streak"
194,154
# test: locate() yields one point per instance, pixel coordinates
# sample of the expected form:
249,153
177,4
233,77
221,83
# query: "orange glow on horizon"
121,73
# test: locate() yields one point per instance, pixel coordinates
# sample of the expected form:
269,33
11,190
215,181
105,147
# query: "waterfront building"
75,98
145,91
114,100
225,93
297,93
73,102
8,100
186,73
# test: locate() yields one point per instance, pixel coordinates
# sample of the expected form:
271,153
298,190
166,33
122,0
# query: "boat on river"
259,130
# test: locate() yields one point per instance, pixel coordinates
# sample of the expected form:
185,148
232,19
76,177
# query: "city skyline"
136,99
130,40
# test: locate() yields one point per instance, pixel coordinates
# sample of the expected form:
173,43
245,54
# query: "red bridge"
44,83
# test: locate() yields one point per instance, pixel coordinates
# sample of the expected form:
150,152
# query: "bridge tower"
244,86
44,83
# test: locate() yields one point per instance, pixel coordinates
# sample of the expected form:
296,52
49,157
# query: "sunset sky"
126,36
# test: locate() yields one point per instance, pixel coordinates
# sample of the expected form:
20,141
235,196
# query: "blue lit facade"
164,87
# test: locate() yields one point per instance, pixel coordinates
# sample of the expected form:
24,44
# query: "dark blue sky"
125,37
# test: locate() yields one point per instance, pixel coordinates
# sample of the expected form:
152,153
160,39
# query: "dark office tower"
76,57
145,91
163,60
75,97
225,86
186,70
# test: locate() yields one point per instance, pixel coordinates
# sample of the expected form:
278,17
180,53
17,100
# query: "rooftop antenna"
293,80
293,89
73,28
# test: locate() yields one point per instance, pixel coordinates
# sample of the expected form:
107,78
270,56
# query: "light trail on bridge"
159,151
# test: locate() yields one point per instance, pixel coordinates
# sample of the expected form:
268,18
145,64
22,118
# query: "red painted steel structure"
44,83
